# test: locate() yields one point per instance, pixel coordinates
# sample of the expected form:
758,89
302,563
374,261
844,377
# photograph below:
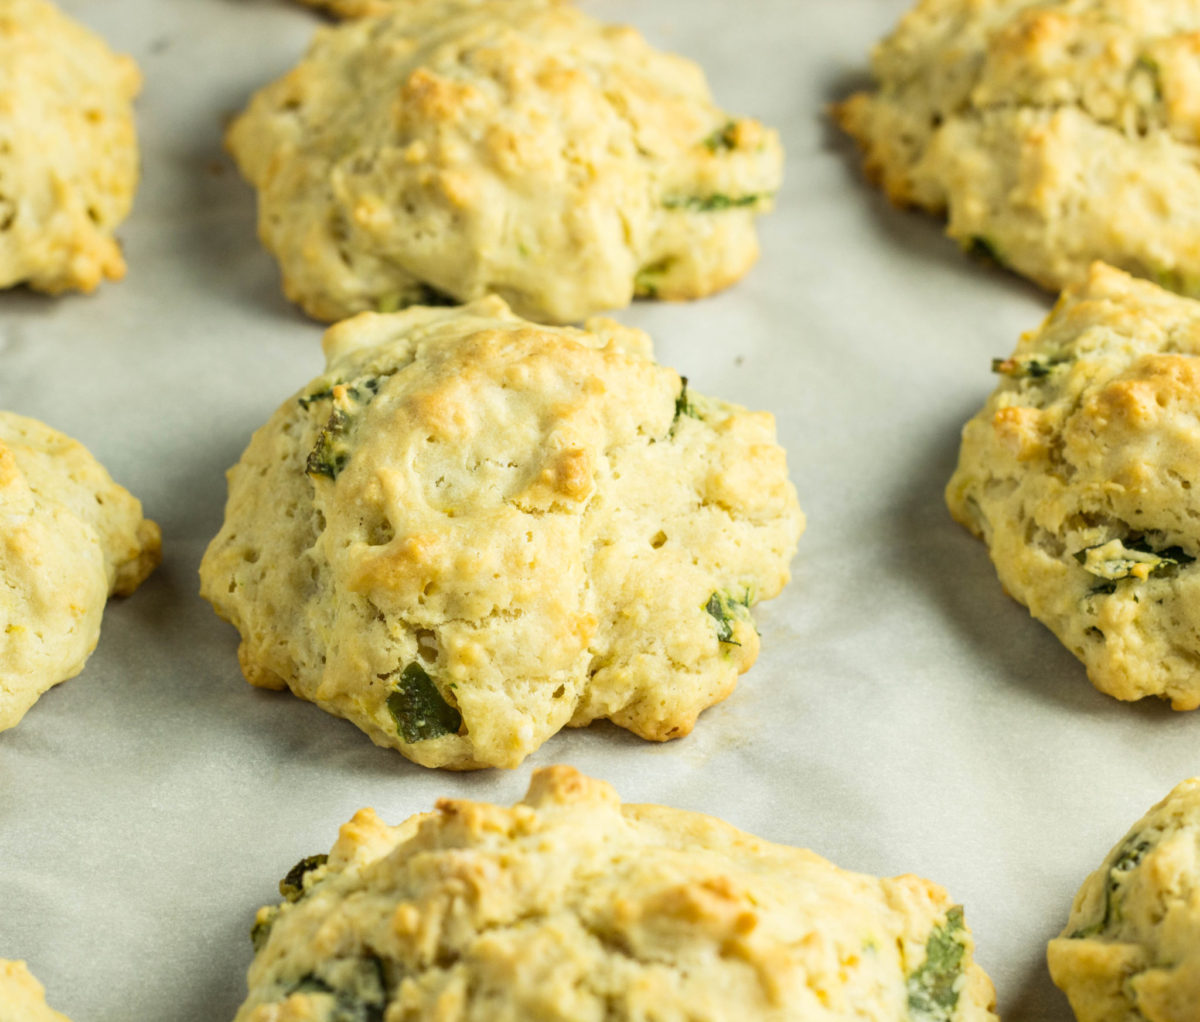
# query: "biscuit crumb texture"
1082,474
68,150
71,538
1130,951
456,148
1051,134
570,906
22,998
471,532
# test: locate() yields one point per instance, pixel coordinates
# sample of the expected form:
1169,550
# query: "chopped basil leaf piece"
1035,368
292,885
725,609
1129,856
1131,558
418,708
725,137
713,203
933,988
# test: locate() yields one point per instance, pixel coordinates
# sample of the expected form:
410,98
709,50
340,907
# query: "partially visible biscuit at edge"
1131,947
1050,134
571,905
456,148
22,997
69,158
1082,474
72,538
471,532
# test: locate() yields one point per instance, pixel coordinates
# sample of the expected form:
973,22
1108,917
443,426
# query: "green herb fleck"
725,137
1131,558
331,451
330,454
418,708
1129,855
360,390
725,609
714,203
933,988
361,995
683,403
1148,65
648,278
983,248
1037,367
261,929
414,294
292,885
1174,279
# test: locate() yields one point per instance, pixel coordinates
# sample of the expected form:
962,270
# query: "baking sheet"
904,716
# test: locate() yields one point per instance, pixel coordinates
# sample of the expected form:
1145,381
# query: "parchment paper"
904,716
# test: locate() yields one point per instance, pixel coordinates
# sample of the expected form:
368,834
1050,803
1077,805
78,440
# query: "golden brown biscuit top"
492,530
516,147
69,164
571,905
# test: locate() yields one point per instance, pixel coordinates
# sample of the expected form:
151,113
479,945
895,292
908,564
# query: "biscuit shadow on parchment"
1037,999
953,566
219,250
913,232
210,211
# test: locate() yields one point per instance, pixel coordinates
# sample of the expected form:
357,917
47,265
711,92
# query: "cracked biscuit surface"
472,531
72,537
22,997
1052,133
573,907
68,150
1082,474
1130,951
517,147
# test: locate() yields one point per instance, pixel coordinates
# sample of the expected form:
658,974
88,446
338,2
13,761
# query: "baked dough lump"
68,150
71,538
1130,951
1052,133
571,907
472,531
456,148
22,997
1082,474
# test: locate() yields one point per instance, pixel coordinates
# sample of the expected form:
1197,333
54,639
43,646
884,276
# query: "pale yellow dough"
1082,474
71,537
570,907
518,524
464,147
1130,951
22,998
1051,132
68,150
